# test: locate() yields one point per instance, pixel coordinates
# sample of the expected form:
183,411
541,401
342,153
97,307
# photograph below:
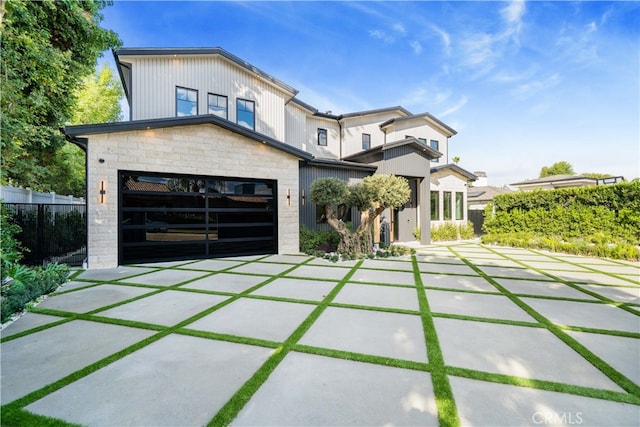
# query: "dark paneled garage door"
175,217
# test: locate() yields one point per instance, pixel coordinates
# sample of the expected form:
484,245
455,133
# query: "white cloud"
446,39
416,46
399,28
381,35
463,101
513,12
592,27
533,87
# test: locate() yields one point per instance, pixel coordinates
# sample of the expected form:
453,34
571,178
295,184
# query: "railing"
51,232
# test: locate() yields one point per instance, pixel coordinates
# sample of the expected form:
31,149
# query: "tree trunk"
353,243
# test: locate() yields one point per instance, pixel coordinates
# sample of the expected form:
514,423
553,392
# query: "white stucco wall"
452,182
198,150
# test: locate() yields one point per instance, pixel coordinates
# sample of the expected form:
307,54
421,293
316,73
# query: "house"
555,182
218,157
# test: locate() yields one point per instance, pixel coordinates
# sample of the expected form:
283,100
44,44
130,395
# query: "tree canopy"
558,168
372,196
47,47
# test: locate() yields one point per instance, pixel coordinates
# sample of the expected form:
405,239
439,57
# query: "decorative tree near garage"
372,196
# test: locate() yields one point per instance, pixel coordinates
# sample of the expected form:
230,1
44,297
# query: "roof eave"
72,132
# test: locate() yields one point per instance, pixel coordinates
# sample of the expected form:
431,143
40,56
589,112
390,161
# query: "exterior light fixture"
288,197
303,198
103,192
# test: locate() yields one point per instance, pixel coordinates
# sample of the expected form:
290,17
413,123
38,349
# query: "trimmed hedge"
587,217
450,231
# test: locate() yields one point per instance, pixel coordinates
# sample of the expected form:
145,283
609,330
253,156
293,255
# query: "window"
436,146
246,113
217,104
322,137
423,140
446,208
435,206
366,141
459,205
186,102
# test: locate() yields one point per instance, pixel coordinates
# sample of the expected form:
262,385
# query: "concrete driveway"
465,333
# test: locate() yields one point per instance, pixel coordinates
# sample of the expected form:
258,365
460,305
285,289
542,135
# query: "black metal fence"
477,219
51,232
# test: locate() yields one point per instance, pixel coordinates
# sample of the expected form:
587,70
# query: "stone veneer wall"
198,150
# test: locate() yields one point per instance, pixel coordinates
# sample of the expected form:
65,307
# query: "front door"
406,216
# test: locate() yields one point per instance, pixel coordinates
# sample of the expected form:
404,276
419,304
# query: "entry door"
407,215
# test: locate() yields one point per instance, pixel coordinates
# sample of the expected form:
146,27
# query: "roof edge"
73,132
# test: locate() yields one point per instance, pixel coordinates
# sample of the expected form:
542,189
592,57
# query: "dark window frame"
435,213
435,144
248,101
226,106
322,132
178,100
447,206
459,196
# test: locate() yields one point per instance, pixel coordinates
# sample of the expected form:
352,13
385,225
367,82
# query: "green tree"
372,196
596,175
47,47
98,101
558,168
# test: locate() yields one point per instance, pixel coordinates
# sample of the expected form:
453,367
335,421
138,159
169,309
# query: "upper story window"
217,104
322,137
436,146
246,113
423,140
366,141
186,102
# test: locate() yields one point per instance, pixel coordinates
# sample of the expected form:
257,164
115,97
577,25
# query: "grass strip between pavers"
613,374
445,401
13,413
576,287
230,410
596,393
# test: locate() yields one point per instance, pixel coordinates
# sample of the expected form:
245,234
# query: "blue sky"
525,84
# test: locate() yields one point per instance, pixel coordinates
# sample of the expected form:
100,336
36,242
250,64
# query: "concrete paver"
463,283
478,305
369,332
591,315
33,361
168,383
269,320
381,276
304,390
491,404
378,296
551,289
310,290
224,282
89,299
515,350
167,308
185,380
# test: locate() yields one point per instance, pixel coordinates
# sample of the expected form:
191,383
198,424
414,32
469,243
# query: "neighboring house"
449,185
479,197
218,158
554,182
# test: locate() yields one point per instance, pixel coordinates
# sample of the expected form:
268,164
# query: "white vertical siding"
354,127
295,125
155,78
332,149
404,129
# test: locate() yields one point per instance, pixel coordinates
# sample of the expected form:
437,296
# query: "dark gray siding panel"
310,173
406,164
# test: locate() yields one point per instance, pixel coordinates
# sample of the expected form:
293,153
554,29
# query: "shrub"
25,284
452,231
312,241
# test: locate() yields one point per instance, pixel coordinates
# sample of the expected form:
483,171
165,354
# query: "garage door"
176,217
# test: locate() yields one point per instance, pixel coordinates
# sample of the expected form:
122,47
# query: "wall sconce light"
303,198
288,197
103,193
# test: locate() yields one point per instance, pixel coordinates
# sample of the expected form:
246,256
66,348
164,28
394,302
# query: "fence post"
39,236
